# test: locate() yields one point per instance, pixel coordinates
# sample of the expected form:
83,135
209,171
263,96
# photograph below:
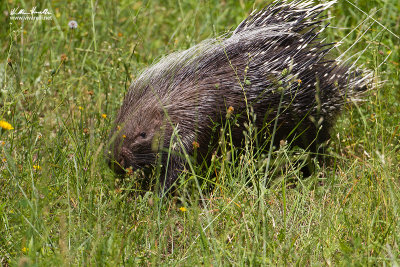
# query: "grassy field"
61,205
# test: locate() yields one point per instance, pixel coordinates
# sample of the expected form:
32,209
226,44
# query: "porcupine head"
135,140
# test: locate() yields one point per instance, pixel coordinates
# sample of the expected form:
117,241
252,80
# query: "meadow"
60,204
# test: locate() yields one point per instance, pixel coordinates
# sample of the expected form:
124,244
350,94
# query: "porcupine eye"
143,134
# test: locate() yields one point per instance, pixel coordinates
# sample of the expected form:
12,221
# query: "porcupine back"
275,58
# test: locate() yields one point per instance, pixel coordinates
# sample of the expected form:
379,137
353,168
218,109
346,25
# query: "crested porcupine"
274,61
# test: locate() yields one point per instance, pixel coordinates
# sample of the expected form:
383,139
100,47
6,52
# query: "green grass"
71,210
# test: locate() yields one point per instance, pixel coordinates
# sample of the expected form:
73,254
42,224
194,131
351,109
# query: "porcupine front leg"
173,163
314,140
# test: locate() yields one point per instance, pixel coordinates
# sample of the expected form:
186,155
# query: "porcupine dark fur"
272,52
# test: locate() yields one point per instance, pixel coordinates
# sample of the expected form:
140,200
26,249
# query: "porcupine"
274,60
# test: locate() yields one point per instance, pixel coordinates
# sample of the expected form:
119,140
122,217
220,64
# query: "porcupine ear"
301,13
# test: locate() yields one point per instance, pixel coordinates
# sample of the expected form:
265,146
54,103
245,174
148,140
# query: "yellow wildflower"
37,167
25,249
5,125
229,112
104,115
183,209
80,108
129,171
195,145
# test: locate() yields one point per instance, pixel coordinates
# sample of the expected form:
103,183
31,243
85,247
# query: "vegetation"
60,204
